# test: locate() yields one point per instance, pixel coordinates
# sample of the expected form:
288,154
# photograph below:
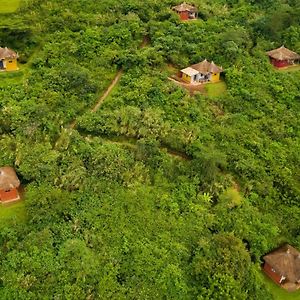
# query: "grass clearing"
9,6
12,213
289,69
13,77
216,89
279,293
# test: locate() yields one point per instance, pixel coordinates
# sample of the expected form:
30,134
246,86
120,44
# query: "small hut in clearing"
283,267
9,184
282,57
186,11
8,60
202,72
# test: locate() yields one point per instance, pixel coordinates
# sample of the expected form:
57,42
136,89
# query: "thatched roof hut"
206,67
283,266
283,53
8,179
184,7
8,53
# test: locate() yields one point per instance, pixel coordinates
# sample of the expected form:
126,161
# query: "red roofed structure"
283,267
186,11
9,184
282,57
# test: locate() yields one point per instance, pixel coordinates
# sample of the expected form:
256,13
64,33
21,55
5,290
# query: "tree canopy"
157,194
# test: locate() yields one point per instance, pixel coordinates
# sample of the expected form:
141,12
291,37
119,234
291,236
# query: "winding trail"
174,153
108,91
103,97
114,82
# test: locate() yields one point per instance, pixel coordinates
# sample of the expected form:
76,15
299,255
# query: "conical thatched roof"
286,262
283,53
205,67
185,7
8,178
7,53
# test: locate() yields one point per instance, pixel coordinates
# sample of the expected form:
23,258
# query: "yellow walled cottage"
204,71
8,60
189,75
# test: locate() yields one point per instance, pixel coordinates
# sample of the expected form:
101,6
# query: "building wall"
280,63
184,15
200,77
192,15
215,77
186,78
8,196
11,65
273,275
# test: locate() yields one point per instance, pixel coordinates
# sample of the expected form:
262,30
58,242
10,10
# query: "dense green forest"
157,194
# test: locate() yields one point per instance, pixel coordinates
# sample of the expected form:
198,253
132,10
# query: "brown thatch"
283,53
185,7
7,53
8,179
205,67
286,262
